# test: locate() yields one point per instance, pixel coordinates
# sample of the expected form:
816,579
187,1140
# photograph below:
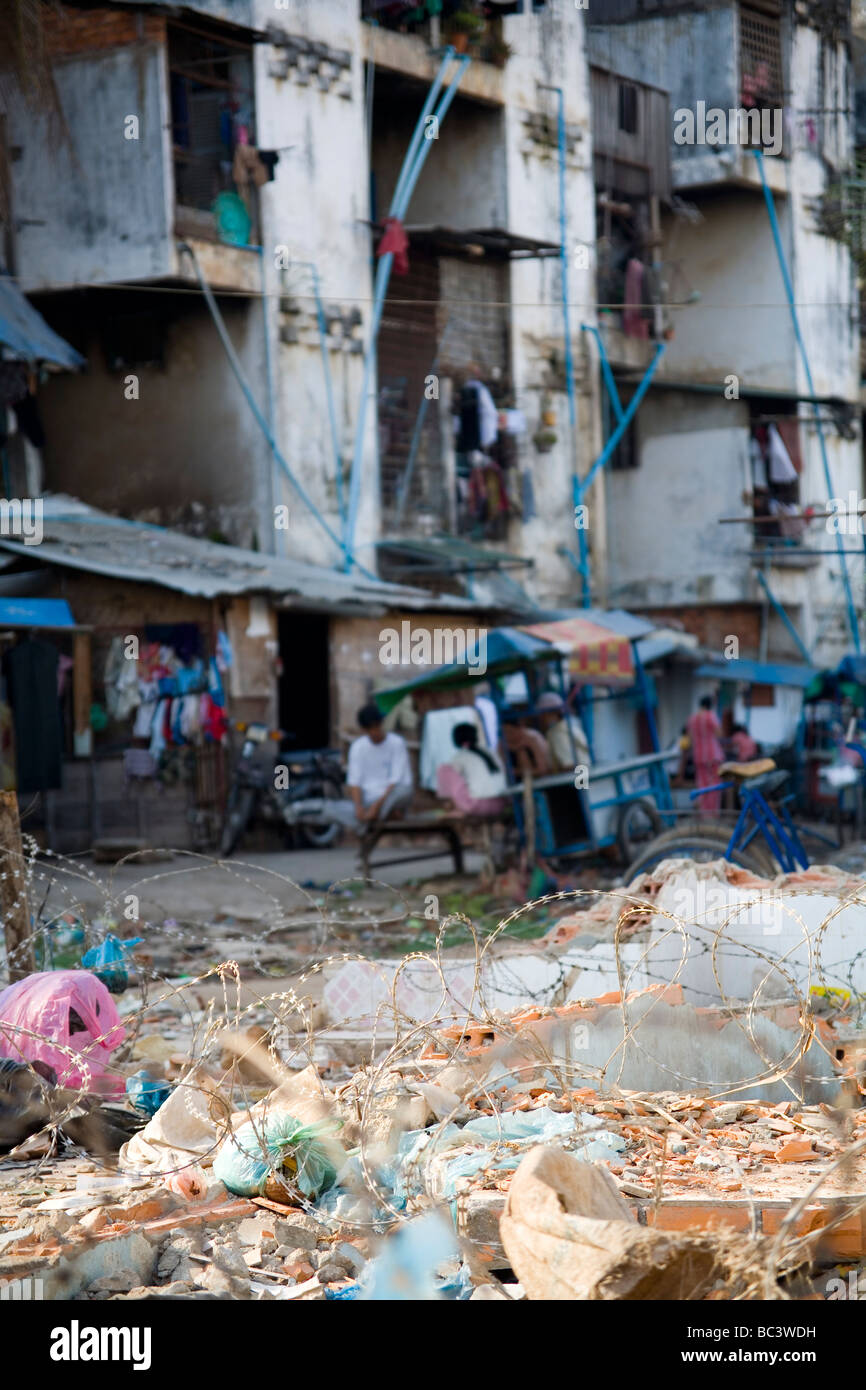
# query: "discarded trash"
146,1092
569,1235
278,1156
109,962
67,1019
407,1267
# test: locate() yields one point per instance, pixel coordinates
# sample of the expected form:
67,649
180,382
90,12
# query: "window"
627,107
760,59
212,111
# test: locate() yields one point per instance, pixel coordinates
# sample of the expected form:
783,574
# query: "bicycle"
764,839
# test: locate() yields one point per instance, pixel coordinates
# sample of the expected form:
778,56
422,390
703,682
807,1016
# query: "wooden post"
13,892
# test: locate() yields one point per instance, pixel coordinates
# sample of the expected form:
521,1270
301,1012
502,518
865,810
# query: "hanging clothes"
122,693
789,433
634,324
779,465
31,675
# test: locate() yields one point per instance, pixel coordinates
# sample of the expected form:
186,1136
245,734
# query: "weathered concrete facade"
733,352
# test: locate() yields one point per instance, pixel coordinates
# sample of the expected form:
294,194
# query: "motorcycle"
312,774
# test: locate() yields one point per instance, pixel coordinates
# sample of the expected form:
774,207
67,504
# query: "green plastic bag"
279,1145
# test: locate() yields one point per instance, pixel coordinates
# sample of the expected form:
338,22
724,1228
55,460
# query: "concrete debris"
543,1140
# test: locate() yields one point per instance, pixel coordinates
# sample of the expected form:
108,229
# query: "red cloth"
396,241
633,323
707,775
704,729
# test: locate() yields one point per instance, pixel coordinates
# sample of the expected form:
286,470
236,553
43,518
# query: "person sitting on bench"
379,775
473,779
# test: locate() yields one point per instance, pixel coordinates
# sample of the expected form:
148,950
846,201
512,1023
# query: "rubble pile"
369,1127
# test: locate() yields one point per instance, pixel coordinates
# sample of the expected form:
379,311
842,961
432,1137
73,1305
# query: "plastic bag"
108,961
35,1026
146,1092
279,1144
59,945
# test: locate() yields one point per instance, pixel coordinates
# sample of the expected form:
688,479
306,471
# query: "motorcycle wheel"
320,836
237,819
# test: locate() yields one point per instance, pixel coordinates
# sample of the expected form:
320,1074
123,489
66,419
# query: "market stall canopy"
596,655
25,333
758,673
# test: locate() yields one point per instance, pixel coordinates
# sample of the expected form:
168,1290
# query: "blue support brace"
789,291
416,156
801,646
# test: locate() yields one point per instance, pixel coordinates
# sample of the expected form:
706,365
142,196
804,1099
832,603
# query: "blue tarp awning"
35,612
25,333
758,673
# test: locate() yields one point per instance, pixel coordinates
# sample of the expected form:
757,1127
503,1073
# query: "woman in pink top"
704,730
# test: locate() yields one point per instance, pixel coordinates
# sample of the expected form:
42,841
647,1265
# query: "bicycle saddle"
753,769
766,782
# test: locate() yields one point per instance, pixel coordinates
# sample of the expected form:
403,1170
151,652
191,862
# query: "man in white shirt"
379,775
379,780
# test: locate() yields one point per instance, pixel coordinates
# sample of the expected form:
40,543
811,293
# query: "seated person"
379,780
555,724
379,775
527,747
741,746
474,779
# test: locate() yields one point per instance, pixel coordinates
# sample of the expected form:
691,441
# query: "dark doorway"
305,701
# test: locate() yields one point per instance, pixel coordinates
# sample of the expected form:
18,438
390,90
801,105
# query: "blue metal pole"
236,367
801,646
789,291
409,175
628,416
606,371
418,132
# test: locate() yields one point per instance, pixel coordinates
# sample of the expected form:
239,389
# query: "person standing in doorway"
704,730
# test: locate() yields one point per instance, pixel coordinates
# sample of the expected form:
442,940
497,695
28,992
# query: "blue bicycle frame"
780,834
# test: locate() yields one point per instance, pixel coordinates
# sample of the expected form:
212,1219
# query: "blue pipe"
236,367
582,543
801,646
416,156
606,371
418,132
628,416
329,386
789,291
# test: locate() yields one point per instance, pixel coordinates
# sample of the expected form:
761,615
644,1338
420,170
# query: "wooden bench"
421,826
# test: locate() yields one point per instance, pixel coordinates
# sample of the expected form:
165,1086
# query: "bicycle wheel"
702,847
639,824
758,851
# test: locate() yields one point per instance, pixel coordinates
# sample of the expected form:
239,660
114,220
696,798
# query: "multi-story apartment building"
257,148
749,360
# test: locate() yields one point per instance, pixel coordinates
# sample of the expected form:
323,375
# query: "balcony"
723,67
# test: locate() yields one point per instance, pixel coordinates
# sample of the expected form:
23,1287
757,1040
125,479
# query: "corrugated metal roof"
80,537
25,333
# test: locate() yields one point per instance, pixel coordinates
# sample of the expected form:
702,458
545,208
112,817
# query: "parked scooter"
312,774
